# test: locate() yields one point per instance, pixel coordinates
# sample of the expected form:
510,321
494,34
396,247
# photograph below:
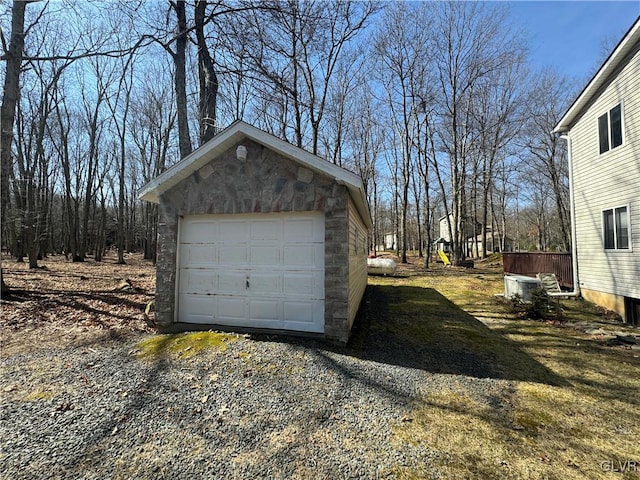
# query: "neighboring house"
602,128
444,241
491,246
255,234
444,228
390,241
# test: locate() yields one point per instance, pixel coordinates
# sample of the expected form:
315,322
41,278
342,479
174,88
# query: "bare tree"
31,183
10,93
152,124
119,104
470,42
402,50
546,152
348,93
295,48
180,63
366,141
498,116
207,77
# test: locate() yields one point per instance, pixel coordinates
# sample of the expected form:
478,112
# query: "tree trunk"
180,63
416,196
207,78
11,91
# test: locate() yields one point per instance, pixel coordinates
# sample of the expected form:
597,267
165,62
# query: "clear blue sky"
569,35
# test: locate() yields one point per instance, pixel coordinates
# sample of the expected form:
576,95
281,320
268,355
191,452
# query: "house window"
610,129
616,228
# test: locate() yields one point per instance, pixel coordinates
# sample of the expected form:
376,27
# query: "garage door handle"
247,283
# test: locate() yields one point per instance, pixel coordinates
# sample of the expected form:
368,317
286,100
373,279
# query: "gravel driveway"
266,407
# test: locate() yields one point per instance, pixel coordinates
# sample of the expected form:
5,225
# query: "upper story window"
610,129
616,228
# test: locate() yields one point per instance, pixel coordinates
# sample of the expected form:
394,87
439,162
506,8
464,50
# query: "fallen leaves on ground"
68,298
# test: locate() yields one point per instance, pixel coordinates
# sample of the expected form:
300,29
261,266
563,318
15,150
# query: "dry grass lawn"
573,411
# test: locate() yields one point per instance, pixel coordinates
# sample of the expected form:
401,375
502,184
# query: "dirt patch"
63,302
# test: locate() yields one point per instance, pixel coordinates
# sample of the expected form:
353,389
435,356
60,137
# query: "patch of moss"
183,345
533,420
43,395
268,368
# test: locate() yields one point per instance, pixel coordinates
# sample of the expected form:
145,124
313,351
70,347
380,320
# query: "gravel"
265,408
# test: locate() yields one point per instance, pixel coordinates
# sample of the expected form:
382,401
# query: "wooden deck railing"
532,263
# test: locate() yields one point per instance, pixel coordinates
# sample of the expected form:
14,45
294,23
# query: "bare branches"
436,88
112,53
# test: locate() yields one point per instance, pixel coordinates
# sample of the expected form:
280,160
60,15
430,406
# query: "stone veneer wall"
264,183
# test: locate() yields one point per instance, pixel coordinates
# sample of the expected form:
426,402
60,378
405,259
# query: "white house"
472,247
602,128
494,243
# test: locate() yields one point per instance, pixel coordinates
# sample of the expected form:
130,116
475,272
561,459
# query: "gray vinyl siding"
608,180
358,251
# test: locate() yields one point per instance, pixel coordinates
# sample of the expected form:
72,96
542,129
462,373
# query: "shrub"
541,307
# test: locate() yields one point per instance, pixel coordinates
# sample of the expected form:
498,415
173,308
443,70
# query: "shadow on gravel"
419,328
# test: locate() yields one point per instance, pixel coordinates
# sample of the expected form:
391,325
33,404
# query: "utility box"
520,285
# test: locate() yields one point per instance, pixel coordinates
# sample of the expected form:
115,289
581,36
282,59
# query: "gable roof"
620,54
233,134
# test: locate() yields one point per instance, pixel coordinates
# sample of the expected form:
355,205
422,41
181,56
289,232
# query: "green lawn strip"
570,404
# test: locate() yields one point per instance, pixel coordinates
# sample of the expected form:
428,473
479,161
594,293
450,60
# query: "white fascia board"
302,156
235,132
352,181
362,206
179,171
626,45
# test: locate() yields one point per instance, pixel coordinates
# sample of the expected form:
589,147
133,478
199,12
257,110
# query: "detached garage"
255,234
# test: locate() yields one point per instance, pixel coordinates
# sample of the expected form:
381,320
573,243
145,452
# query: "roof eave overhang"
152,191
628,43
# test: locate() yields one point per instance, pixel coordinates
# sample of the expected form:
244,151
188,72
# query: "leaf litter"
64,301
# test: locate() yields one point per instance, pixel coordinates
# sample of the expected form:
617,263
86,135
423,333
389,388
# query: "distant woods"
432,104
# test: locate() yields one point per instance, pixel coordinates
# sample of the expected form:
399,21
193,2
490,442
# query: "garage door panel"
298,311
266,230
266,255
267,283
198,255
232,282
258,270
303,230
310,256
197,308
197,230
306,284
232,256
262,310
233,231
198,281
304,327
304,316
232,308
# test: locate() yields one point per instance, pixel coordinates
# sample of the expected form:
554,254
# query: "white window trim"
613,250
607,112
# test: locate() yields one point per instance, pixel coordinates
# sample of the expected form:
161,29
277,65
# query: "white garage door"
258,270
